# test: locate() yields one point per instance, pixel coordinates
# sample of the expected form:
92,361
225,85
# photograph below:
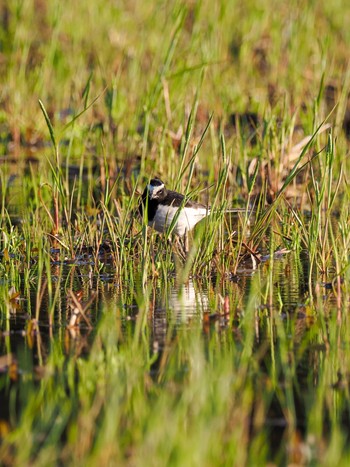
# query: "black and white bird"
163,205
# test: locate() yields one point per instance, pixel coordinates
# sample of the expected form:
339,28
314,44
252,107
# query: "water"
194,304
181,306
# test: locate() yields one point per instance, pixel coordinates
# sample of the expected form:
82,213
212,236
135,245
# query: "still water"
31,319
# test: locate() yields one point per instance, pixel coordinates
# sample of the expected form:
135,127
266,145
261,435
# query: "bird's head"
156,189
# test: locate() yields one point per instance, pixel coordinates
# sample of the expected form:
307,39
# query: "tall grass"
226,102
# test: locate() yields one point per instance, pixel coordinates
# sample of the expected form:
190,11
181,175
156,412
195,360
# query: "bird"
163,205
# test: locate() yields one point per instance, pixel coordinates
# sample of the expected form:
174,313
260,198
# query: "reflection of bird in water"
177,308
188,302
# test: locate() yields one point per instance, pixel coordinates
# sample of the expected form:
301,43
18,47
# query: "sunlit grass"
227,103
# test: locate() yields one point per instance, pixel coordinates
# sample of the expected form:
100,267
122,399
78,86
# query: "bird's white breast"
186,220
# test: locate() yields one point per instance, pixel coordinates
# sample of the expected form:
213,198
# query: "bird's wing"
176,199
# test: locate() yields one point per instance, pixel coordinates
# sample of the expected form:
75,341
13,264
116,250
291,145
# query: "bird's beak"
151,193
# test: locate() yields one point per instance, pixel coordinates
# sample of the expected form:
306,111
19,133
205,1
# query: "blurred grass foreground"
116,349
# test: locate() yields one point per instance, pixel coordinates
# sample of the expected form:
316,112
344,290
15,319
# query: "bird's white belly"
186,219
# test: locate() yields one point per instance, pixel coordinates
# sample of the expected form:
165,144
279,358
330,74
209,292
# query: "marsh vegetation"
115,346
